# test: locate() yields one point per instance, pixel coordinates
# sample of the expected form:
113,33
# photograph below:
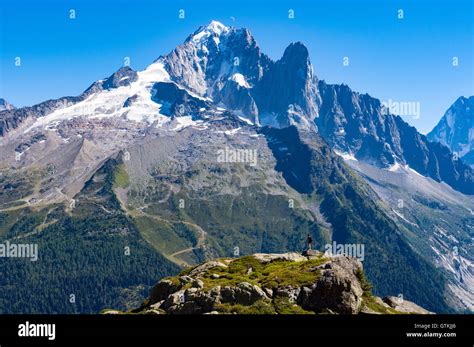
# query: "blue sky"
407,59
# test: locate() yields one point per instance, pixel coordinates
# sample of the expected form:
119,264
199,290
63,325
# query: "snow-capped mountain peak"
214,29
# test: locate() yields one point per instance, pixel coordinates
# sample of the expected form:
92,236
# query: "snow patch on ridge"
240,80
249,122
184,122
346,155
394,168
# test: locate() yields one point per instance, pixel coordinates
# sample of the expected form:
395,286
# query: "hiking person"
309,242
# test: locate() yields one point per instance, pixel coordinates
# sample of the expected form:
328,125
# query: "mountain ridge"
225,65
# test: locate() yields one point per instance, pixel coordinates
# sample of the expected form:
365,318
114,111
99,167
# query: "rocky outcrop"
272,283
337,290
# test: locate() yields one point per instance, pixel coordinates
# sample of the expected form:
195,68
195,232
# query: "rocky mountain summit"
456,129
287,283
5,105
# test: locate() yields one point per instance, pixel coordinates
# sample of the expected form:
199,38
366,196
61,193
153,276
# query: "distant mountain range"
136,161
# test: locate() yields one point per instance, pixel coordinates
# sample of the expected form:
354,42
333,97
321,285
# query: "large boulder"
199,270
338,289
162,290
192,301
289,292
244,293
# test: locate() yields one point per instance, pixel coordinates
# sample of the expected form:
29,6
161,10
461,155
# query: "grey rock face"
288,88
213,54
237,98
173,300
34,139
176,101
129,102
286,92
191,301
244,293
226,64
290,293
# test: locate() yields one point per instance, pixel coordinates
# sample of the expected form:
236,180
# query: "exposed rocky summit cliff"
288,283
